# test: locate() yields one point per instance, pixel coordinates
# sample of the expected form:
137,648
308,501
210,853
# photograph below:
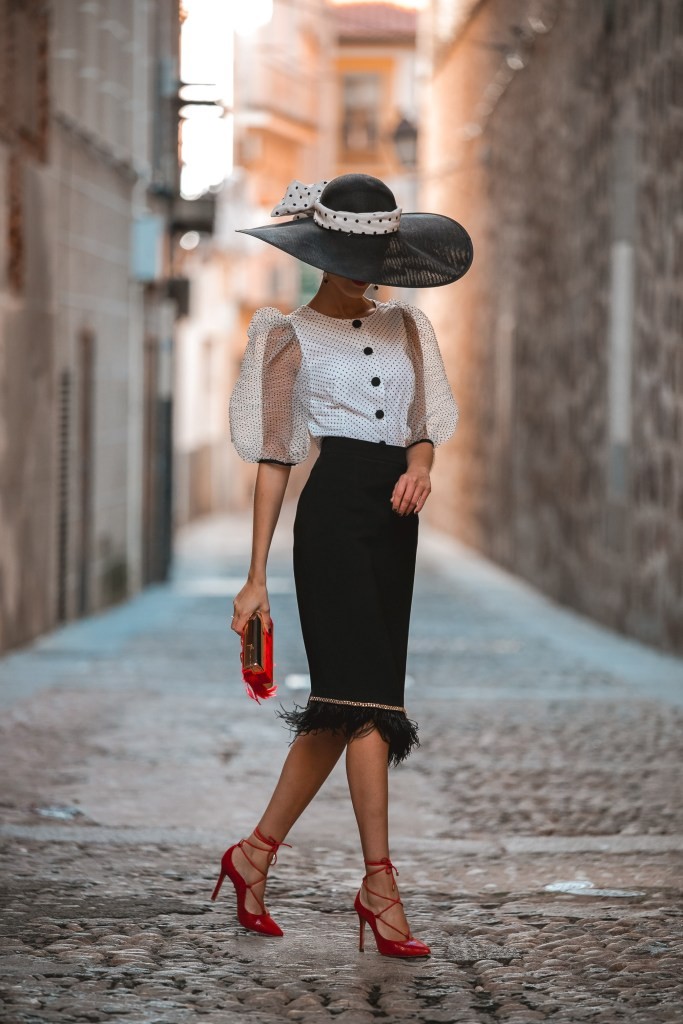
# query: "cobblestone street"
538,829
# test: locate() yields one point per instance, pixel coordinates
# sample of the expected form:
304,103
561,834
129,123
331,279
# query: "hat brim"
427,251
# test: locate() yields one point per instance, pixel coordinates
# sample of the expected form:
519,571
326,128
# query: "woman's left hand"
411,490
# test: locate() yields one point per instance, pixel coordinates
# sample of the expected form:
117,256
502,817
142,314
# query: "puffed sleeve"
433,414
268,408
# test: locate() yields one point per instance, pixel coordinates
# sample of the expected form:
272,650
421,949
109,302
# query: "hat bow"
302,200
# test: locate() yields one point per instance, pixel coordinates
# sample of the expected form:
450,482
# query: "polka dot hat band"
302,200
353,226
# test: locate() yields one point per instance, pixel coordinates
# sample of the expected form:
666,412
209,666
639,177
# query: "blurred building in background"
279,77
320,89
552,129
88,168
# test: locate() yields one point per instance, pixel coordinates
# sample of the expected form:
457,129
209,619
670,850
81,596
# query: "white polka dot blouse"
305,375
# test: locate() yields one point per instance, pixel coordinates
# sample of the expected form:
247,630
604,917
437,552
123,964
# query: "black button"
357,323
379,414
381,442
368,351
375,381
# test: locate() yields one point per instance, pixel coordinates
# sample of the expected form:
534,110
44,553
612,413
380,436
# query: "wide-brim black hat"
382,245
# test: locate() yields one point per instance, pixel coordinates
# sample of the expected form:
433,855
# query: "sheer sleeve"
268,408
433,414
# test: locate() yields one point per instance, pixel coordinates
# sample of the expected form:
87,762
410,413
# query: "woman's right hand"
253,597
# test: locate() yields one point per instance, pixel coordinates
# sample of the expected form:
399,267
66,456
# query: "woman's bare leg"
310,760
368,775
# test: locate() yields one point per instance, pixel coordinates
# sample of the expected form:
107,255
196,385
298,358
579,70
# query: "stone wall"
80,110
553,130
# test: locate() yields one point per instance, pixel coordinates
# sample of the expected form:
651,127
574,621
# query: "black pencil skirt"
354,569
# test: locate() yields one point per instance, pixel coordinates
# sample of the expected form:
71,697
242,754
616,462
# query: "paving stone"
535,768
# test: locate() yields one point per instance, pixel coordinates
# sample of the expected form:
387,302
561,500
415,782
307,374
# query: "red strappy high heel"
263,922
408,946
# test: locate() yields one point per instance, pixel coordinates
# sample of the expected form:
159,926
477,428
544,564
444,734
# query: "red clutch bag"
256,656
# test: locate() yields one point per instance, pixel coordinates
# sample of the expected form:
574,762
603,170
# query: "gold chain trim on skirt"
359,703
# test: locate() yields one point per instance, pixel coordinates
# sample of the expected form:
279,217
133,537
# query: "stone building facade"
553,129
88,172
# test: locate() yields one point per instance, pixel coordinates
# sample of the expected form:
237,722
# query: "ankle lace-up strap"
384,865
273,844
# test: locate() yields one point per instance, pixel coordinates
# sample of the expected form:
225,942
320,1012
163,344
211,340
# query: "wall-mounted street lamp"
404,138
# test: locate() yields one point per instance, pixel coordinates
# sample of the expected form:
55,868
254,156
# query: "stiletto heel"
262,922
361,937
408,946
218,884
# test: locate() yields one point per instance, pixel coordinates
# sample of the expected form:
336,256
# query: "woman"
366,381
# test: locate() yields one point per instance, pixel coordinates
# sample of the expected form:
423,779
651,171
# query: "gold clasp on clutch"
254,643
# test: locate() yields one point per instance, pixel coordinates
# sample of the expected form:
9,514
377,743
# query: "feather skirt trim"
354,721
